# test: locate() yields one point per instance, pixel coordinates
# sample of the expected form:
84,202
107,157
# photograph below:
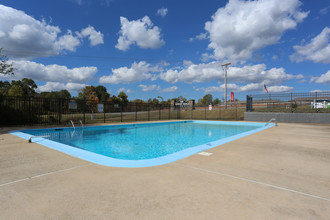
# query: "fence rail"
51,111
313,102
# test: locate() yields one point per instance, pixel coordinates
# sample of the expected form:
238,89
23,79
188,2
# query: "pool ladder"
273,119
74,128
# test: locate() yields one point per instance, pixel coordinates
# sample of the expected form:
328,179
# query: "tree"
123,97
16,90
138,101
115,100
4,87
216,101
155,101
86,92
102,93
207,99
27,85
5,67
64,94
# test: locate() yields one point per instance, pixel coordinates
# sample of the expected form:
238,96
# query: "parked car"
320,103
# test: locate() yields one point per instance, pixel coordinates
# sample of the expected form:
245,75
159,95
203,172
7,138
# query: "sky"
169,48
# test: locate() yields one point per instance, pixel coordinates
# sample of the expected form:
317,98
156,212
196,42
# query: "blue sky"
169,48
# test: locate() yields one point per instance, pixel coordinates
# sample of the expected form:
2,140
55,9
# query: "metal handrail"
82,125
273,119
74,128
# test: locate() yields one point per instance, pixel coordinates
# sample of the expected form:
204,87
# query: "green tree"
155,101
28,86
207,99
115,100
64,94
123,97
102,93
16,90
216,101
6,68
86,92
139,101
4,87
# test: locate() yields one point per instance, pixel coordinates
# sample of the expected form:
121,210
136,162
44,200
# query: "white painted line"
256,182
204,153
44,174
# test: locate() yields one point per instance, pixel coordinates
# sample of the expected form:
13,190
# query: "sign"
232,97
99,107
72,104
210,107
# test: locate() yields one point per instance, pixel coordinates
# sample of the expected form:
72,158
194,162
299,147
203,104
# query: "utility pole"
224,66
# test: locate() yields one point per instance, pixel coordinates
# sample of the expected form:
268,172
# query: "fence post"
29,114
59,103
148,112
136,111
205,112
169,112
291,102
159,106
121,112
84,109
316,109
104,110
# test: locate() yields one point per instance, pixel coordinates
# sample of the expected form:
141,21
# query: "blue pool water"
144,142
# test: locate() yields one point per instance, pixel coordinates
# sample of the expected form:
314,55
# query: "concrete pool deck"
279,173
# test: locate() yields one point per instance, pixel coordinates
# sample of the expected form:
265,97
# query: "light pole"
224,66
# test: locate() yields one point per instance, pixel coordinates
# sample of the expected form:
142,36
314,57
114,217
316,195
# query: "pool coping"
113,162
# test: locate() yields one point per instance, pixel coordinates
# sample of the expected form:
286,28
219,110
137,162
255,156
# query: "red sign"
232,97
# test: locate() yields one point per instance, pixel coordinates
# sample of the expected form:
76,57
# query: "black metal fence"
313,102
51,111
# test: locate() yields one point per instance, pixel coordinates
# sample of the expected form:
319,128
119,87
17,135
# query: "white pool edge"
108,161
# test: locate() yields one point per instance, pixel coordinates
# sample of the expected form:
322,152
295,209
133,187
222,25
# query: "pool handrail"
273,119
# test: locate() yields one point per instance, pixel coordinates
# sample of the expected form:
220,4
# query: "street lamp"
224,66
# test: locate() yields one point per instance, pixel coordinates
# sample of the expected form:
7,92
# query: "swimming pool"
143,144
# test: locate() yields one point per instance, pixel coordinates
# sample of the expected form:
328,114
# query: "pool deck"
279,173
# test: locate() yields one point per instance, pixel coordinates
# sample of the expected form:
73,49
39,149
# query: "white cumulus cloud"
251,87
22,36
324,78
95,37
141,32
242,27
56,86
146,88
51,73
206,72
162,12
136,73
124,90
318,50
170,89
